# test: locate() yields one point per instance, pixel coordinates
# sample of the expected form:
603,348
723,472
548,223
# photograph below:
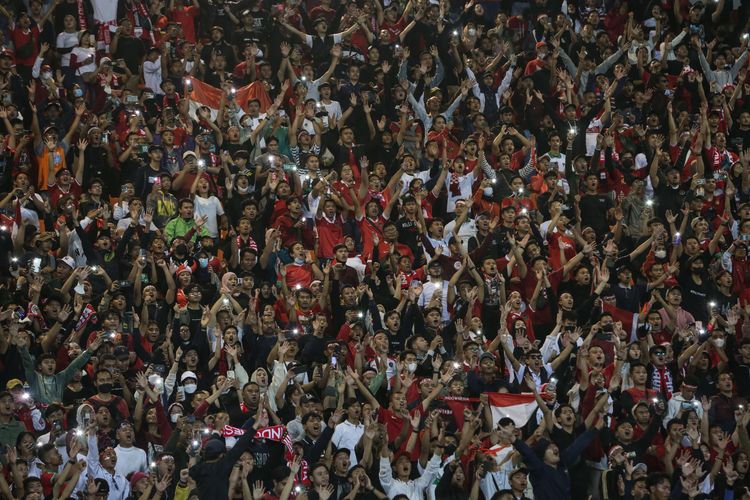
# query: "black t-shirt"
131,50
668,197
408,235
594,212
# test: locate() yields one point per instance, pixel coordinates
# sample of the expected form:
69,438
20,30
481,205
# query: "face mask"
105,388
174,417
203,263
660,254
450,450
299,261
627,163
190,388
243,190
148,96
78,93
488,191
412,367
181,249
46,75
719,342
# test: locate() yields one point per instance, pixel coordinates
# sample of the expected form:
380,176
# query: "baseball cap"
188,374
13,383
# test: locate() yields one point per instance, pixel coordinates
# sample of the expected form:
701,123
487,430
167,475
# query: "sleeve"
65,375
92,458
28,363
418,108
532,462
279,371
475,88
384,474
738,64
608,63
448,114
440,73
426,478
706,67
37,420
504,84
568,62
574,451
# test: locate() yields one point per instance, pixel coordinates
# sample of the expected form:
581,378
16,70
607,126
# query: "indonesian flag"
518,407
204,94
629,320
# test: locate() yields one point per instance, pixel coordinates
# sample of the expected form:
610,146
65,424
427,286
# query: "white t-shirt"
66,41
212,208
334,112
129,460
467,231
152,75
81,55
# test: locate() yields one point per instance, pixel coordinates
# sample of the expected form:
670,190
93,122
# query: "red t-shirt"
330,234
21,39
185,15
298,275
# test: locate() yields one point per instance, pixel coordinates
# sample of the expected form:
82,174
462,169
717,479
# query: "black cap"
121,351
102,486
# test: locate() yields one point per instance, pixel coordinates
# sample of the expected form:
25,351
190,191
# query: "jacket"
50,389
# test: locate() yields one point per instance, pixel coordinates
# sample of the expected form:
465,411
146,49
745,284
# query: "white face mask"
190,388
660,254
719,342
412,367
174,417
243,190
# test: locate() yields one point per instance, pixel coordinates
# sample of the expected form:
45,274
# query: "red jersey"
330,234
185,16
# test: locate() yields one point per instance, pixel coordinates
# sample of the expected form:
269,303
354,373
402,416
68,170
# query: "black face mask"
180,249
627,162
105,388
450,450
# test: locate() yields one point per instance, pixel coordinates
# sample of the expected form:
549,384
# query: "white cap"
187,375
69,261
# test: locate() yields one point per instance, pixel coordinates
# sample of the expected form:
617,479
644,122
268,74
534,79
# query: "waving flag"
629,319
518,407
203,94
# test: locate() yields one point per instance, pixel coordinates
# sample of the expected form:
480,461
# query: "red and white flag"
203,94
518,407
628,319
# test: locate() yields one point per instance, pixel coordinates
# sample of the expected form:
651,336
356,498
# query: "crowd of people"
408,250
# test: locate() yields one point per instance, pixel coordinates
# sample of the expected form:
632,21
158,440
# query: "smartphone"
230,374
36,265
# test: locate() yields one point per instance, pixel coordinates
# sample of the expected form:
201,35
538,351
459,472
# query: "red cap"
539,45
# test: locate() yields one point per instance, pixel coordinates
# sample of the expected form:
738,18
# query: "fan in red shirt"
293,226
301,272
330,227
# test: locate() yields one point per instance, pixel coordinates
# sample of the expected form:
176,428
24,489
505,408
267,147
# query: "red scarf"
81,16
